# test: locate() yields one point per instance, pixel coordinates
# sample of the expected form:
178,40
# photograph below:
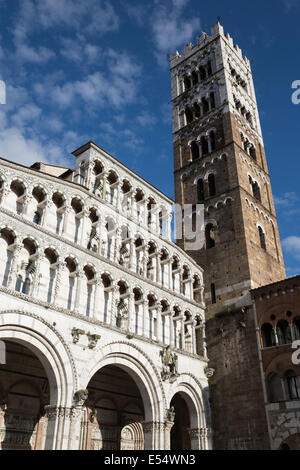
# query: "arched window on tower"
195,150
213,294
197,110
255,189
212,137
205,105
268,336
296,325
189,115
187,83
293,385
209,69
275,388
204,145
202,72
210,236
200,190
252,152
262,238
194,78
283,333
212,185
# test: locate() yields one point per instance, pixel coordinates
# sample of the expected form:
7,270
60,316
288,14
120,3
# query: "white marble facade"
90,279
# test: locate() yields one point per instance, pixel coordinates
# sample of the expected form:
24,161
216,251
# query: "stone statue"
170,364
171,414
80,397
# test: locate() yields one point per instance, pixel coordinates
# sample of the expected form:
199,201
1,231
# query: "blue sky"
79,70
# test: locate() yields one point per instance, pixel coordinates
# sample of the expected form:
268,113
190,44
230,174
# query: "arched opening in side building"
115,411
180,437
24,393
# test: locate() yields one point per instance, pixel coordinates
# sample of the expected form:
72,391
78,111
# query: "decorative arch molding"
48,345
280,365
277,310
135,361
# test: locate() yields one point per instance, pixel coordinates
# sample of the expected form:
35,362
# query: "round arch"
45,342
136,363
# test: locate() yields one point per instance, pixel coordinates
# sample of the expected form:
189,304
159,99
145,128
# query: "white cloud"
292,246
146,119
170,30
137,12
115,137
287,200
79,50
96,17
117,87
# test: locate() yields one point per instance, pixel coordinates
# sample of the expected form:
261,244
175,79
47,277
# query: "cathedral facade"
102,315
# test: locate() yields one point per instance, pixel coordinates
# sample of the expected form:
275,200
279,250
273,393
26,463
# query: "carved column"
159,323
196,444
167,434
97,298
56,438
149,430
61,265
131,258
79,279
66,220
46,213
146,315
37,274
131,314
115,296
12,277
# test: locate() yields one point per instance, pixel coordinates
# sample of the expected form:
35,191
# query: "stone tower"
219,161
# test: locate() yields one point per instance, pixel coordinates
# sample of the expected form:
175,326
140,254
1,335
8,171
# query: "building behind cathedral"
117,338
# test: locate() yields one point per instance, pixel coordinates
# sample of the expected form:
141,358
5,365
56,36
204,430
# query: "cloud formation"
171,30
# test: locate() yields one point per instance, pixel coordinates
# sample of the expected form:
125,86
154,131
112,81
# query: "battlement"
203,41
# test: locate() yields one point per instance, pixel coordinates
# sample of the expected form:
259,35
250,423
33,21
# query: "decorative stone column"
12,277
36,280
66,220
61,265
169,423
149,430
56,438
131,313
46,212
197,442
79,279
97,298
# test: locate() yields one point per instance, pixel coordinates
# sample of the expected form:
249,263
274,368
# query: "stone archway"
25,393
33,337
180,438
136,365
115,410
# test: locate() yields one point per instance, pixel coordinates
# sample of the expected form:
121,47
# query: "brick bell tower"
219,161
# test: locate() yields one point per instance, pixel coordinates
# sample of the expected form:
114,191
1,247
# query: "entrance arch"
138,366
40,342
24,394
180,438
115,410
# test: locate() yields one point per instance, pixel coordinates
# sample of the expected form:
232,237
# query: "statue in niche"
122,314
170,364
124,256
98,188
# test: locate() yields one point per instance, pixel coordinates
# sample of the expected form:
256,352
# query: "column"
146,315
36,281
115,296
61,265
66,220
12,277
171,329
131,313
56,438
83,238
119,196
149,435
46,212
209,144
182,318
158,273
195,439
131,256
159,323
98,305
167,434
79,279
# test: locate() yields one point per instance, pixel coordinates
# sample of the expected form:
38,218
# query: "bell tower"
220,162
